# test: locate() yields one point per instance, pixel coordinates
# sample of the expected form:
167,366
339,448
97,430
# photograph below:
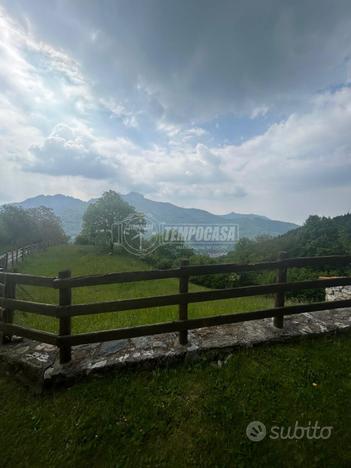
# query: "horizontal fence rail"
190,324
201,296
198,270
37,335
64,310
10,258
29,280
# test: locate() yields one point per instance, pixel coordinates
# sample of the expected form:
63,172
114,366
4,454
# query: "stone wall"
38,364
337,293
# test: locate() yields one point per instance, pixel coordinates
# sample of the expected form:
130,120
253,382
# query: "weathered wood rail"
10,258
65,310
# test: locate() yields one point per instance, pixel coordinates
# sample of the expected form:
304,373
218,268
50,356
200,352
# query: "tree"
19,227
100,217
48,225
168,255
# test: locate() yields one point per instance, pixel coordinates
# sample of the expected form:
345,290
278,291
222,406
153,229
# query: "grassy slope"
84,261
190,415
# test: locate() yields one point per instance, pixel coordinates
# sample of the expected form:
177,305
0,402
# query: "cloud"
67,152
15,132
130,101
306,151
197,61
259,112
34,73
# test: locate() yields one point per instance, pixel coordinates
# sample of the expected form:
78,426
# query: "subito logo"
256,431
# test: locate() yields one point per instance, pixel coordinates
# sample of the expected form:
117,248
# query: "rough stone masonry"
38,364
337,293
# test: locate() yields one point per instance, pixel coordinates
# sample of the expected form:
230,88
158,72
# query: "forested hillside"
318,236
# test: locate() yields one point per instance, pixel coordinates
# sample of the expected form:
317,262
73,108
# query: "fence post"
7,314
65,298
183,308
278,321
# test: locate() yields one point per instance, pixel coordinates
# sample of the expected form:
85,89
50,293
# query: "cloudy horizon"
225,106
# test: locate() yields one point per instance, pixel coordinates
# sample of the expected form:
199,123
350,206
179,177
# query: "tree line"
20,227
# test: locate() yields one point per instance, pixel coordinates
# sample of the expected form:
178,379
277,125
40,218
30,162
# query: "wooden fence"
65,310
10,258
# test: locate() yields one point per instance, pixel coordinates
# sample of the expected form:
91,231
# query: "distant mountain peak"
58,196
71,211
134,195
234,214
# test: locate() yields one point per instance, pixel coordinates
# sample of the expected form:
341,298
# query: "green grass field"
190,415
82,260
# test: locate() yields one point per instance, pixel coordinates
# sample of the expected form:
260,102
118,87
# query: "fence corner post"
183,307
278,320
65,299
7,314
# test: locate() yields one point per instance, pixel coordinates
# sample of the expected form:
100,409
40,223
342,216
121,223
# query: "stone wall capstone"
337,293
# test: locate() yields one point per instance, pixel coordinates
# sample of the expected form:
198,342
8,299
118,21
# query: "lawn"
83,260
191,415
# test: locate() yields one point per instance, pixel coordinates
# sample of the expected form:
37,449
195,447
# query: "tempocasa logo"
142,235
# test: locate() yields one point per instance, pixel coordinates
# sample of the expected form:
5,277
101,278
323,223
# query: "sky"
238,106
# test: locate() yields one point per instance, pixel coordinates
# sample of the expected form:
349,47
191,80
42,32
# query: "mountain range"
71,211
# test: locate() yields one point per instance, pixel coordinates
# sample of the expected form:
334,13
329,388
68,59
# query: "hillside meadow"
187,415
84,260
